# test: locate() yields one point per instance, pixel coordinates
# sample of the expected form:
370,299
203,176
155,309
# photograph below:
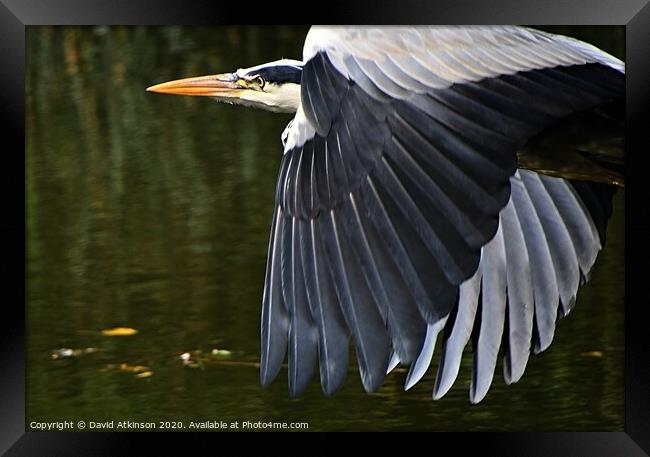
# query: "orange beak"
222,85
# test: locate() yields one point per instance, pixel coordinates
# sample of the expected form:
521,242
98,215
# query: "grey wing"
398,204
527,278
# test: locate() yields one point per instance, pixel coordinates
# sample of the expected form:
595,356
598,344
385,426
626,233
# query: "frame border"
634,14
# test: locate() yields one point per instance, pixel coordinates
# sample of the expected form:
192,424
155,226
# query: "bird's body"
429,190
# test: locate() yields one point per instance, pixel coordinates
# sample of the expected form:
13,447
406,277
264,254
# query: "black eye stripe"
280,74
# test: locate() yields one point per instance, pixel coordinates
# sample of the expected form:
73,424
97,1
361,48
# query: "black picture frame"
15,15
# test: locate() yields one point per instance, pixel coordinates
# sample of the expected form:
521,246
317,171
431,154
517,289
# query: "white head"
273,86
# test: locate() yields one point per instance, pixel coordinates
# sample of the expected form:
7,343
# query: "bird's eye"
260,82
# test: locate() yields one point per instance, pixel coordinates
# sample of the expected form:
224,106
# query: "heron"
437,183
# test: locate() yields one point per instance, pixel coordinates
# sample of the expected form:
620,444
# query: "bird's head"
273,86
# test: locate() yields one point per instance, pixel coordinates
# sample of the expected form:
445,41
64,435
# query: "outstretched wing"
399,205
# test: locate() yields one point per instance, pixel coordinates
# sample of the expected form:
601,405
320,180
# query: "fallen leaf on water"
63,353
119,331
66,353
192,359
132,368
222,353
592,354
185,356
139,371
144,374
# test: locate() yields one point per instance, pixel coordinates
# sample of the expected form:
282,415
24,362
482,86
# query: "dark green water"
152,212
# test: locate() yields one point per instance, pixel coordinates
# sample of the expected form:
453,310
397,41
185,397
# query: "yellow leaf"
119,331
132,368
222,352
592,354
144,374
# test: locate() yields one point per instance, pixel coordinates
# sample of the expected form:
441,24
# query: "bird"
439,183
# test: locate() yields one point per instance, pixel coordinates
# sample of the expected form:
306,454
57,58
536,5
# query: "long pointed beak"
222,85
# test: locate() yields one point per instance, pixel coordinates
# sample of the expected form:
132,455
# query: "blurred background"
147,227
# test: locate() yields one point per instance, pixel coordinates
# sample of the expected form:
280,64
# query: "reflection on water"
151,213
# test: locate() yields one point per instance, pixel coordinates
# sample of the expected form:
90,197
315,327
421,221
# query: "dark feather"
303,338
325,309
359,309
275,320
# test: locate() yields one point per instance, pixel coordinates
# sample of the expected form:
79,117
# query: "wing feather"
520,297
491,316
302,331
361,313
542,270
325,310
404,324
275,320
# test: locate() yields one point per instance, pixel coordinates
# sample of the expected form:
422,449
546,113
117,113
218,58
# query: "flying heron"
450,182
